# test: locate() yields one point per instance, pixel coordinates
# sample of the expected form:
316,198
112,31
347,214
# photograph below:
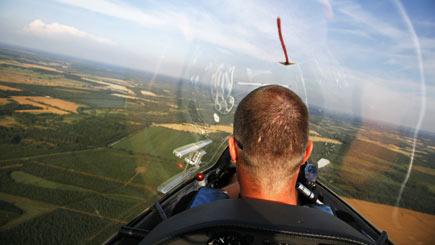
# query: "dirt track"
48,208
148,188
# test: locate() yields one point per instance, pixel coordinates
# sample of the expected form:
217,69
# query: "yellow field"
323,139
172,105
403,226
26,100
48,105
6,88
26,65
149,93
424,170
8,121
314,133
316,137
115,80
134,98
126,96
29,78
112,86
388,146
19,78
64,105
4,101
192,128
44,110
156,113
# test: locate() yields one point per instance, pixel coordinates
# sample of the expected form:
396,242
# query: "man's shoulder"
206,195
321,207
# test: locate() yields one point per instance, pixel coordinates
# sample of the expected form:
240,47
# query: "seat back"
264,218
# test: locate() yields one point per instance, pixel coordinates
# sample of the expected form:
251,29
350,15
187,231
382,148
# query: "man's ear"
308,151
232,148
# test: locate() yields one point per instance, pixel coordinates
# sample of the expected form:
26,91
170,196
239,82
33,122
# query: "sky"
372,59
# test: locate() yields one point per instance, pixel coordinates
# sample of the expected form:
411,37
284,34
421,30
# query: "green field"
115,183
157,141
103,182
65,225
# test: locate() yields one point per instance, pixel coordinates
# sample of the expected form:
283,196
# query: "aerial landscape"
84,147
63,153
96,97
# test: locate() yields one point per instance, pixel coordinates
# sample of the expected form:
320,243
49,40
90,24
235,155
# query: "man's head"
271,136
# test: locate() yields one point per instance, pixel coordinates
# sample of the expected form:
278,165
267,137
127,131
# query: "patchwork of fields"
82,153
109,185
77,162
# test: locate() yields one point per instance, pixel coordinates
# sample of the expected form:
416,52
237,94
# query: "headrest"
261,216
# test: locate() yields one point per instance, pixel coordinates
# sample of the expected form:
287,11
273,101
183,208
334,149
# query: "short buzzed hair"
271,125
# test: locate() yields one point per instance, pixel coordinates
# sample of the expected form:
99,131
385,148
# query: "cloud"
120,10
355,32
327,8
38,27
363,19
164,17
226,24
250,28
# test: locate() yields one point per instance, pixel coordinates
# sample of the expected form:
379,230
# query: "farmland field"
403,225
6,88
48,105
50,171
83,150
150,140
192,128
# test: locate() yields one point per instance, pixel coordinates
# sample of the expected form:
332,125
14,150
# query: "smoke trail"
303,85
422,102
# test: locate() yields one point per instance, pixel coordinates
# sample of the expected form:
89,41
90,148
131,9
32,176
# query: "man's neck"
288,196
250,188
